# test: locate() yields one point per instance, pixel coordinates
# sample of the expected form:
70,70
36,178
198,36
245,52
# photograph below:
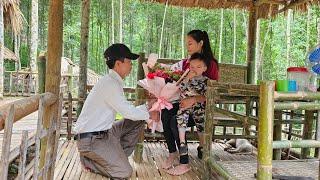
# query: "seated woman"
197,42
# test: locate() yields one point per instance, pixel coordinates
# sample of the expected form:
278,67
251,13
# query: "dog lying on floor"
238,146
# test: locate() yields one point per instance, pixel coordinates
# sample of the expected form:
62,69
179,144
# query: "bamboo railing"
221,93
14,112
270,97
20,83
269,122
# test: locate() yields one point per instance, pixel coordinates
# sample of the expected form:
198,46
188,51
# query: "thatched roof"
266,8
9,55
13,17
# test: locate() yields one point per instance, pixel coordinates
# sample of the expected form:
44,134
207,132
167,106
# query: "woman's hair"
198,36
200,57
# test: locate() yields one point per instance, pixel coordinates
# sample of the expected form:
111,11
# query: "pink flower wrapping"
164,92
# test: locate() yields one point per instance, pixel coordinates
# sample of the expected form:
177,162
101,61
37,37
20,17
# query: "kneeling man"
103,143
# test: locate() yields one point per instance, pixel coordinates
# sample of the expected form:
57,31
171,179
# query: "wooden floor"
68,164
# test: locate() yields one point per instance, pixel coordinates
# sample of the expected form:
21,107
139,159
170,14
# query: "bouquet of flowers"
163,83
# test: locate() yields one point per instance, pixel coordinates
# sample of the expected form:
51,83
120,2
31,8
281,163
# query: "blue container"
292,86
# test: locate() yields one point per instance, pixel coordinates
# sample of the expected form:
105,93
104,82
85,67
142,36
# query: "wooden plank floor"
28,123
68,164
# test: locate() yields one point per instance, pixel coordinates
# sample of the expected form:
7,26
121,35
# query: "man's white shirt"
103,102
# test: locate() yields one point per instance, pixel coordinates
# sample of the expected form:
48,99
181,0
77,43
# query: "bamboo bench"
270,104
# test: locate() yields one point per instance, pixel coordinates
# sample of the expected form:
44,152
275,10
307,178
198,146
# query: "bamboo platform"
28,123
68,162
247,169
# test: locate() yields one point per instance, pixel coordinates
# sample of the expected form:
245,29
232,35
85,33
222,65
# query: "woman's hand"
187,102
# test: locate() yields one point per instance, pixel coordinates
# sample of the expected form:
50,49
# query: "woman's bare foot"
179,170
86,169
168,163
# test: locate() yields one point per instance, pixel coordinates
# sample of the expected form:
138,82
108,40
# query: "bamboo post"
277,134
23,155
26,106
318,139
140,96
248,113
317,150
4,161
53,69
208,133
70,78
10,83
252,28
290,125
307,132
37,138
265,131
42,73
69,122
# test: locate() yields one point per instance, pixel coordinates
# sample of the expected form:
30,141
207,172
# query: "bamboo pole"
208,133
242,118
317,150
239,86
296,105
26,106
23,155
265,131
318,139
6,142
252,28
53,71
69,122
140,96
300,95
296,144
42,73
307,132
219,169
277,134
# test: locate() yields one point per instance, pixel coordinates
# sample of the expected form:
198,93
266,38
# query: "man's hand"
187,102
154,115
2,116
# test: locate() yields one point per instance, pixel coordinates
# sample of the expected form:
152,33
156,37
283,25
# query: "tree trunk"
252,29
112,23
33,36
120,15
1,49
162,29
220,37
16,51
53,77
234,36
308,30
261,65
85,16
258,52
288,35
182,33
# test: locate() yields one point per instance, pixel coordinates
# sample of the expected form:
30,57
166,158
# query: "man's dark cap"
119,51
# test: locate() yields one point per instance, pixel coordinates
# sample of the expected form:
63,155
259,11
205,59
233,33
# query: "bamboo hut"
257,9
13,17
